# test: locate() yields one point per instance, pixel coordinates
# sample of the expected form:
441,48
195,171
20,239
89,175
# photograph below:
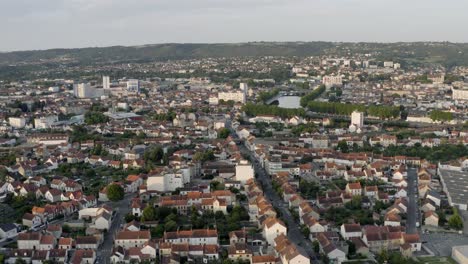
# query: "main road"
294,232
413,214
121,209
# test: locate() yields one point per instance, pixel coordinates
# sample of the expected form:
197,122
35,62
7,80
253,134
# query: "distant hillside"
448,54
166,51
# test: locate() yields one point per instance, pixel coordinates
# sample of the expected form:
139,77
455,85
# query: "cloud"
34,24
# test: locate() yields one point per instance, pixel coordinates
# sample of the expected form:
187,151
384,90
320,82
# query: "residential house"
129,239
348,231
273,227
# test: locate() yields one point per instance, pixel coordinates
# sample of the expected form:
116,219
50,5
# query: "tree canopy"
267,95
223,133
115,192
455,221
443,116
312,95
381,111
258,109
94,117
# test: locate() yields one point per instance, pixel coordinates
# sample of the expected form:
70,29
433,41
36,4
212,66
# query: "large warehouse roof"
456,185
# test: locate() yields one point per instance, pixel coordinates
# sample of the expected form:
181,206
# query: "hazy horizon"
50,24
232,43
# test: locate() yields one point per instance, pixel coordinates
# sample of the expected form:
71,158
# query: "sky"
45,24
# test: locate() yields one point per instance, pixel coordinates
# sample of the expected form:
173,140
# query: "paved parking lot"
441,243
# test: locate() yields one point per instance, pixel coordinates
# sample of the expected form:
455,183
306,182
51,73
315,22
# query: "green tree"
455,221
351,248
265,96
442,217
312,95
382,256
258,109
316,246
20,261
115,192
343,146
171,217
129,217
149,214
204,156
305,231
438,115
170,226
94,117
216,185
66,229
154,154
157,231
223,133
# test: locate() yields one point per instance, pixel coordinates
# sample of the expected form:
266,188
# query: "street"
121,208
413,214
294,232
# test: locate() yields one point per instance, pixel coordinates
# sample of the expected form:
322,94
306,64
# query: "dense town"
259,160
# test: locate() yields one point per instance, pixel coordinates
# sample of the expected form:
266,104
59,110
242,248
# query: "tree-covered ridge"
447,54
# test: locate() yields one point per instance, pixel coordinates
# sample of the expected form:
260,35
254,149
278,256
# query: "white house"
244,171
165,183
29,240
53,195
31,220
130,239
348,231
243,133
273,227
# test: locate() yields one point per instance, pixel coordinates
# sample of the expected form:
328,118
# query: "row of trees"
381,111
438,115
265,96
443,152
257,109
312,95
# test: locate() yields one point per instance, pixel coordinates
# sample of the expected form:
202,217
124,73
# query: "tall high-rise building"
245,89
133,85
357,119
83,90
105,82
